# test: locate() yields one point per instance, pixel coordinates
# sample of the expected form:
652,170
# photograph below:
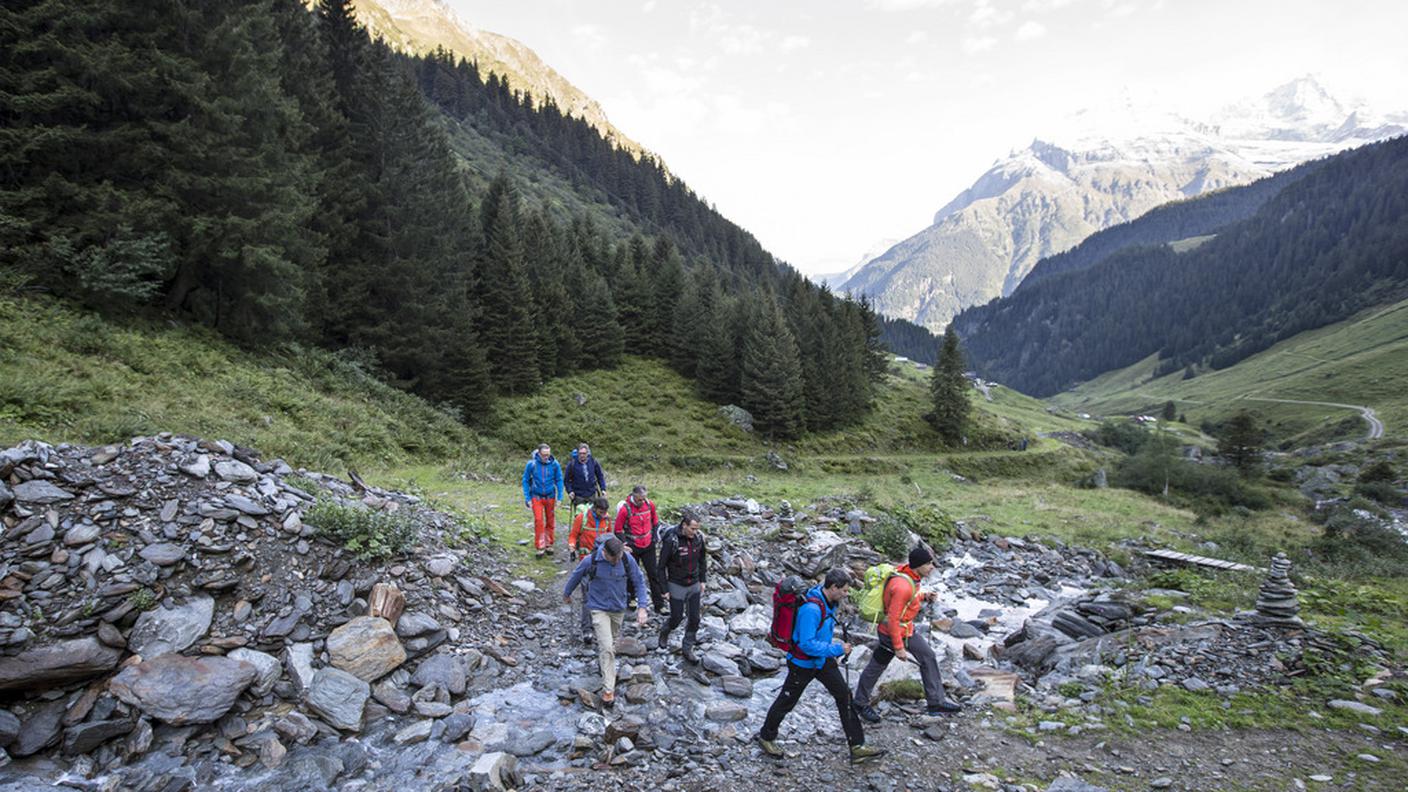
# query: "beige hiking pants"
607,626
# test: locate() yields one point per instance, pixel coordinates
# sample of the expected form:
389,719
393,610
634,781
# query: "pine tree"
877,358
506,330
1170,411
1241,443
717,368
602,339
949,389
770,381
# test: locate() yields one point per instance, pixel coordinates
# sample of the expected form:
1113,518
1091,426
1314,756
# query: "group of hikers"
620,560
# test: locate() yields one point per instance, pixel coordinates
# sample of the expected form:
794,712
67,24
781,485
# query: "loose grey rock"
9,727
181,690
338,698
295,727
725,711
416,732
163,553
298,662
493,772
443,670
163,630
84,737
81,534
236,471
267,665
66,661
40,730
40,492
200,468
1354,706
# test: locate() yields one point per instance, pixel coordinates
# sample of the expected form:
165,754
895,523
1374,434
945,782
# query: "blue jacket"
813,630
606,582
584,478
542,479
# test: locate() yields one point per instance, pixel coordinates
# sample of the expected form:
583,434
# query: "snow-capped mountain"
1098,171
836,279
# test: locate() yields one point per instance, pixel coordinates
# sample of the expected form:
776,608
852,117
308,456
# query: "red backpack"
787,597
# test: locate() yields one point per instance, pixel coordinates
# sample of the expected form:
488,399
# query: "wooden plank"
1211,563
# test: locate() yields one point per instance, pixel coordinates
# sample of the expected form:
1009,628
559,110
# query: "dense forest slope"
1327,245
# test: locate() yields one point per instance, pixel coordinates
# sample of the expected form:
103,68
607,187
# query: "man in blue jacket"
584,478
814,657
542,489
607,569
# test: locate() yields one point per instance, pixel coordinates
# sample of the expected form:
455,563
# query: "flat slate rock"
338,698
41,492
182,690
163,553
67,661
162,631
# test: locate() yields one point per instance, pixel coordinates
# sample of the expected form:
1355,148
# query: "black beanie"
919,556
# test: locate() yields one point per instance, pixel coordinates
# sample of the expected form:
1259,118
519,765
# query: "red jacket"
637,523
585,529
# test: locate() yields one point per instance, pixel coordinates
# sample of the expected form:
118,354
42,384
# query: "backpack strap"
796,622
913,594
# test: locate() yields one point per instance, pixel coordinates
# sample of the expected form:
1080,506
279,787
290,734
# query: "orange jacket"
902,603
585,527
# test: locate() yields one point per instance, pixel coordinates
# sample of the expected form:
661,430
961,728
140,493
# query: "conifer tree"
717,368
1241,443
949,389
507,329
770,378
603,342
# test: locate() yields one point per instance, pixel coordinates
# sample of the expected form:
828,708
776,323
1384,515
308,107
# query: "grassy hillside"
70,376
1363,360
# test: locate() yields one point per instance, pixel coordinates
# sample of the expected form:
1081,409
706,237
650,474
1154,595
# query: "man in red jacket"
638,526
903,600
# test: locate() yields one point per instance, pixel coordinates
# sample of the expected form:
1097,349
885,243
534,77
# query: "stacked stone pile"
1276,603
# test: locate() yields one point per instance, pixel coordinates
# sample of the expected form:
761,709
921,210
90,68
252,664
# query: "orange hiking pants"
543,524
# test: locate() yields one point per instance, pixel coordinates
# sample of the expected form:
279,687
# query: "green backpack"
870,597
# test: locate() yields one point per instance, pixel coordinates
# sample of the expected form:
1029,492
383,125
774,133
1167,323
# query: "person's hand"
845,648
904,655
640,617
527,504
566,600
572,548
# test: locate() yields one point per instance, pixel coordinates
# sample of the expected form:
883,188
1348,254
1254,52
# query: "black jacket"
683,562
583,479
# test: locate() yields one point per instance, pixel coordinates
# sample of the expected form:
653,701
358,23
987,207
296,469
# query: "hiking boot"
608,699
587,637
945,707
664,638
866,713
690,656
864,753
769,747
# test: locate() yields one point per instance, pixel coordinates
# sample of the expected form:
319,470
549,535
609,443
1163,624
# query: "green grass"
67,375
1363,360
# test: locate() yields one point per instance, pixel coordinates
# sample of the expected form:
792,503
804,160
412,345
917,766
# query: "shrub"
1201,487
366,532
1379,471
889,536
1122,435
1357,544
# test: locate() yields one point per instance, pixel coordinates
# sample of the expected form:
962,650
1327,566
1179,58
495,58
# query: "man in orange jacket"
902,601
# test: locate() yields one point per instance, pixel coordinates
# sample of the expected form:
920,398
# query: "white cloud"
985,14
975,44
1030,29
917,37
795,42
905,5
592,36
647,7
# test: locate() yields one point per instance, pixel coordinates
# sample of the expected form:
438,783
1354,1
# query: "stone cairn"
1276,604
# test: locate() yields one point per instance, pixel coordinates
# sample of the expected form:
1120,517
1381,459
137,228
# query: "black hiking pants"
797,680
684,599
646,558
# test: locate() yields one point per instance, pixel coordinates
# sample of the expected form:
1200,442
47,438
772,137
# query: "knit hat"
919,556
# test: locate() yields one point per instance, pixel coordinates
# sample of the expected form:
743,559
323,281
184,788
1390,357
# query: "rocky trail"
172,618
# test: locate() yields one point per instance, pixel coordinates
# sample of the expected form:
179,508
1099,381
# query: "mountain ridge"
1045,198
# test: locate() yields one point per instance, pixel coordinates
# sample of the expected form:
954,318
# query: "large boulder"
366,647
180,690
40,492
756,621
66,661
167,630
493,771
338,698
738,416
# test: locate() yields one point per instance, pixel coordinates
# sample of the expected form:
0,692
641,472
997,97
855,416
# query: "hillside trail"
1376,426
975,749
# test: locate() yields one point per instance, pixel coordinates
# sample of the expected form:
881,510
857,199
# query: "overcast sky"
824,126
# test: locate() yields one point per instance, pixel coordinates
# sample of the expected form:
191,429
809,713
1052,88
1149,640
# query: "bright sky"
824,126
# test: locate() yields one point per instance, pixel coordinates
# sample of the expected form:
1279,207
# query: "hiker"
584,478
639,525
542,489
901,601
683,563
581,542
608,568
813,656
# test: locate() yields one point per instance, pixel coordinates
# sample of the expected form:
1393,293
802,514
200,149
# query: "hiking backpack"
870,597
789,595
